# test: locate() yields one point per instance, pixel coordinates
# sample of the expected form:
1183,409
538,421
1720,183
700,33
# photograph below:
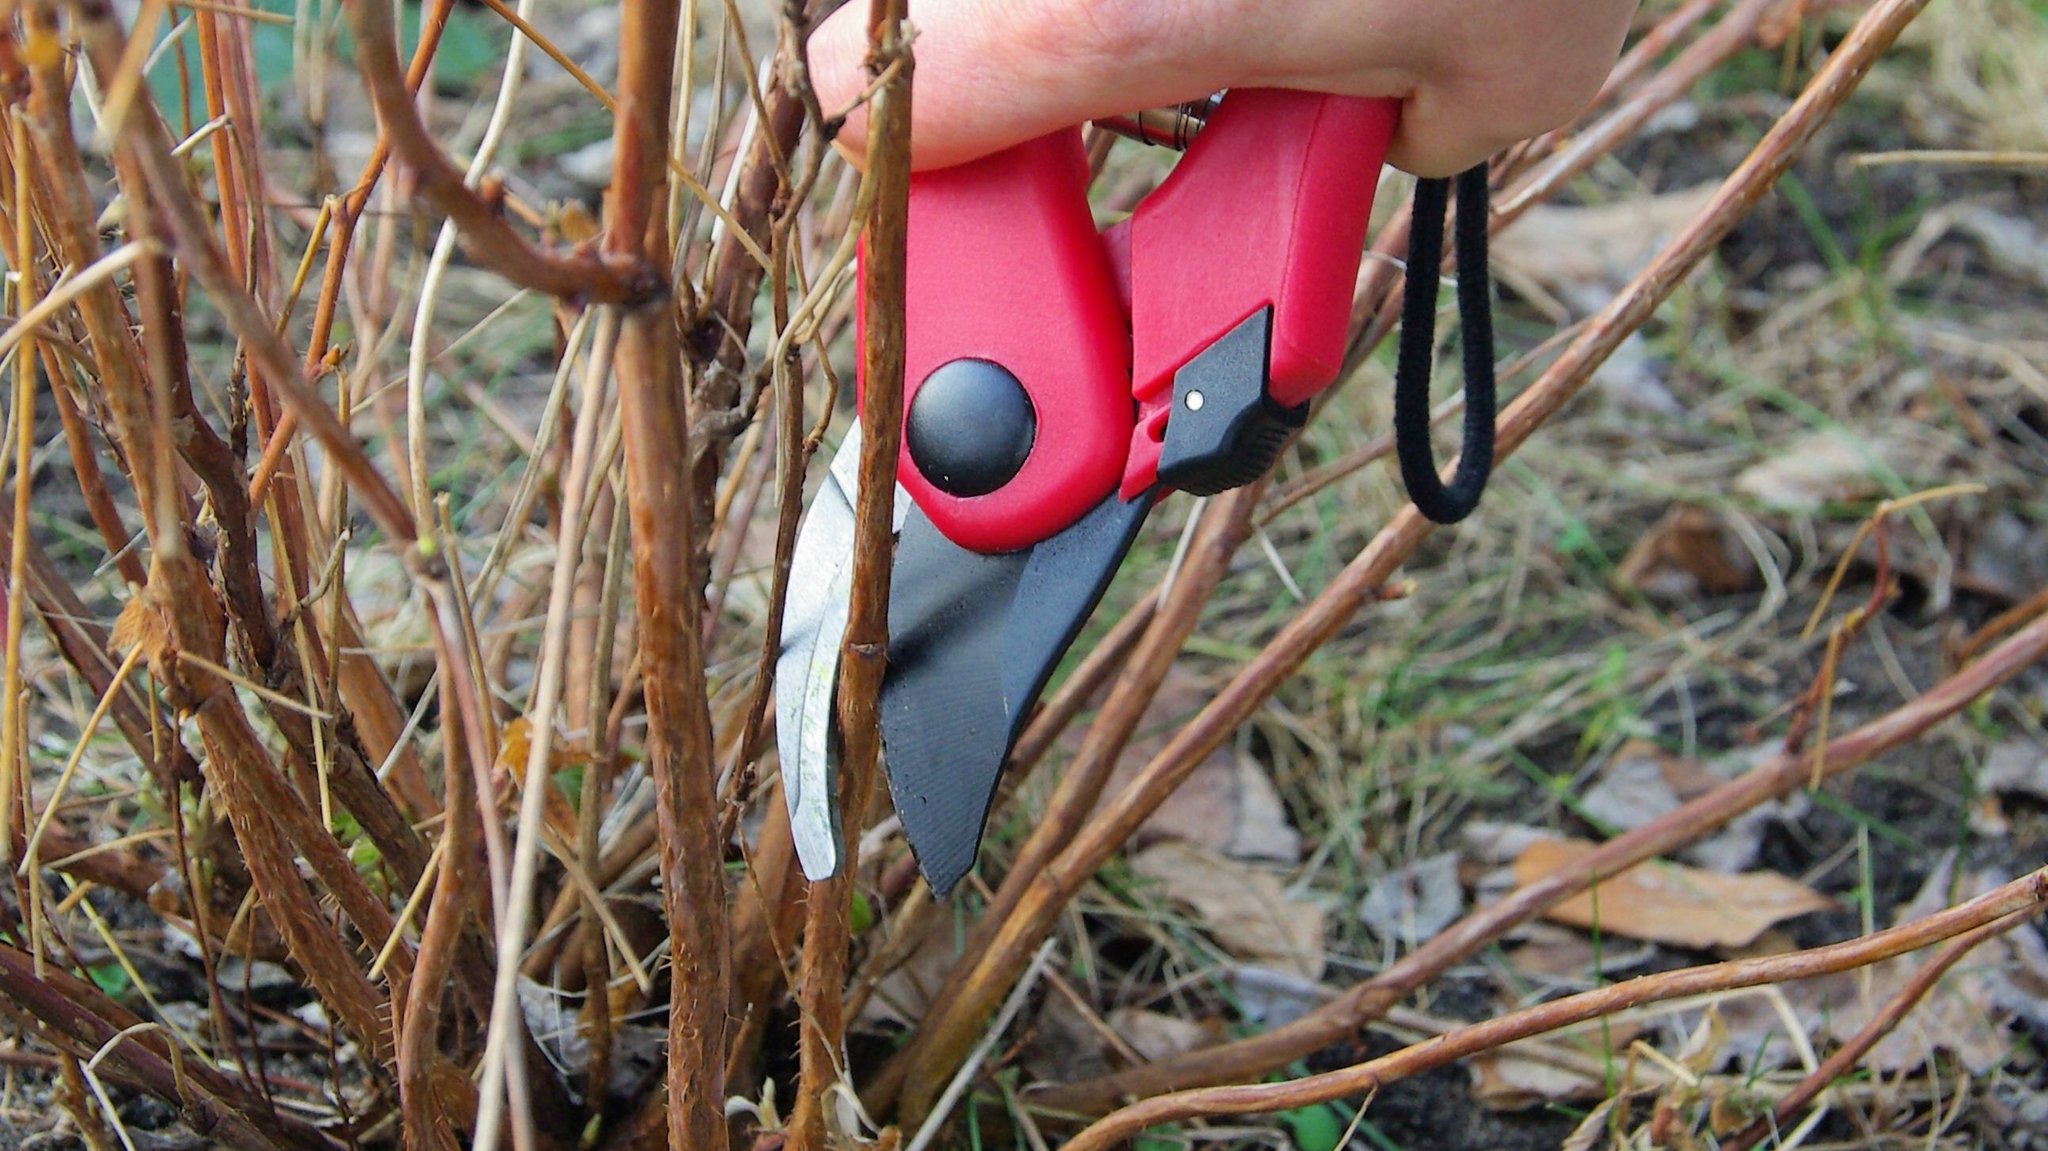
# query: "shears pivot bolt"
970,427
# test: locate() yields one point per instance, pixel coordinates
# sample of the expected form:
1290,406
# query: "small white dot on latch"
1194,401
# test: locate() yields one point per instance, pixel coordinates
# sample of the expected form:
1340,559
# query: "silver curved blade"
807,669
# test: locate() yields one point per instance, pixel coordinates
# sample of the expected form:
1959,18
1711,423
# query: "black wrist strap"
1441,503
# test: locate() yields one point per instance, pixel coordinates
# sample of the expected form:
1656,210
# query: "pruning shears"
1059,380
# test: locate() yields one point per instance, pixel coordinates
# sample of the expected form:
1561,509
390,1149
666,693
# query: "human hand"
1473,75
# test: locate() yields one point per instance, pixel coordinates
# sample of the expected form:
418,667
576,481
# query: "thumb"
991,73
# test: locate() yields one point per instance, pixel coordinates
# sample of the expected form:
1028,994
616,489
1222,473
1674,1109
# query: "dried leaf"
2016,767
2013,245
1156,1035
1966,1013
1227,805
1271,998
1689,553
1553,954
1517,1077
1414,902
1706,1047
1583,254
1594,1130
1671,904
1571,1066
905,993
1067,1044
141,625
1957,1016
515,744
1494,843
556,1022
1641,783
1836,465
1246,910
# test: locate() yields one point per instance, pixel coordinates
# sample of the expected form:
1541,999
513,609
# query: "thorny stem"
716,336
75,1017
179,611
214,462
828,911
668,587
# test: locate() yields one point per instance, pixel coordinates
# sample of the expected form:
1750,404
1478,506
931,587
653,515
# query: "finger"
991,73
1481,98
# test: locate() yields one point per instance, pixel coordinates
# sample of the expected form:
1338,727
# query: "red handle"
1004,265
1268,209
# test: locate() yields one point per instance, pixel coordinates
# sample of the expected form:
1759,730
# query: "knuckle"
1117,30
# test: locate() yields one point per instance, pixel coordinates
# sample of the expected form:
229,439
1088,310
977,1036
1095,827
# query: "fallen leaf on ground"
1228,804
1556,954
2016,767
1669,903
1246,910
1567,1067
1412,903
1518,1077
1689,553
1583,254
1836,465
1494,843
2014,245
1272,998
1641,782
2004,555
904,995
1957,1016
1967,1014
1067,1044
1156,1035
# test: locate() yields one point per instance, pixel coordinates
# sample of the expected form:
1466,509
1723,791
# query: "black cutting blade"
972,641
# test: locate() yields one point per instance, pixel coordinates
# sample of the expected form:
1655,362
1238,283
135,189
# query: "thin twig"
506,1017
608,277
1845,1058
863,655
964,1078
13,740
2020,898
